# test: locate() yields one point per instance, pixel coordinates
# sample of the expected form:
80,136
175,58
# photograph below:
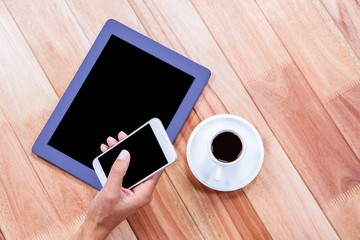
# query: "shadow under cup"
226,147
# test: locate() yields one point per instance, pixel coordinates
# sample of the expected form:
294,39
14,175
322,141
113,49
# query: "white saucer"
233,177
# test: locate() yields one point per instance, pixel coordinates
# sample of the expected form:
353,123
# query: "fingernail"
103,146
123,155
110,138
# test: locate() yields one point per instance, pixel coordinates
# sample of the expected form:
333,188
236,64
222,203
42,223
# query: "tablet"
125,79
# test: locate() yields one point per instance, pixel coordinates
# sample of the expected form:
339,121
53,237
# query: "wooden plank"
166,217
314,42
345,112
32,102
54,37
318,150
332,69
345,209
8,225
313,143
346,15
123,230
92,20
329,64
21,192
280,178
308,135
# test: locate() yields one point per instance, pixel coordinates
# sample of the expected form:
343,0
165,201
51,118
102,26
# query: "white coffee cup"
226,148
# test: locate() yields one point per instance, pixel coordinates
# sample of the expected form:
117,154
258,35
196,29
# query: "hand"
113,203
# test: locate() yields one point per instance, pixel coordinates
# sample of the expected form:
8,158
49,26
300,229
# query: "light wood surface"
291,68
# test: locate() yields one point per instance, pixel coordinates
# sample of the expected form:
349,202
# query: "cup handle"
218,173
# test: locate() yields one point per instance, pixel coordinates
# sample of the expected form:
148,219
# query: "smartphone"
150,149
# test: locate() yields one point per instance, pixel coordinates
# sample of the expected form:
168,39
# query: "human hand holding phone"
151,151
114,203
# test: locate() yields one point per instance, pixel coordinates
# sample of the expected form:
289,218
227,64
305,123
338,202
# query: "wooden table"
291,68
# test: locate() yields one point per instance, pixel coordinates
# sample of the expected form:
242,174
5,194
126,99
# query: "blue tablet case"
125,79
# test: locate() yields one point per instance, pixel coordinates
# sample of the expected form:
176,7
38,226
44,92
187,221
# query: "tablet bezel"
200,73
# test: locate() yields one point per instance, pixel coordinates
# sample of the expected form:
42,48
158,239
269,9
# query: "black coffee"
226,147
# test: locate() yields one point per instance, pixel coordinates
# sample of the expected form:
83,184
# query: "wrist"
91,230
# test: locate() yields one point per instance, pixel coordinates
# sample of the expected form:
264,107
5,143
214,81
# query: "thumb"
117,172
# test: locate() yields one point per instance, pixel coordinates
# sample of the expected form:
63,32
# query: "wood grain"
167,214
313,136
345,112
328,84
318,48
92,20
339,71
22,190
346,16
284,194
317,149
54,37
344,212
28,121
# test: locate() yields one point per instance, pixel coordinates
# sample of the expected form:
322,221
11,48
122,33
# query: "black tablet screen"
125,88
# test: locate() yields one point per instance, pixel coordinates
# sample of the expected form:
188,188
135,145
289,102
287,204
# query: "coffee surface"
226,147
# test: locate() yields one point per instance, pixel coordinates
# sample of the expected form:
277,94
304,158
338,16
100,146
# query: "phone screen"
146,156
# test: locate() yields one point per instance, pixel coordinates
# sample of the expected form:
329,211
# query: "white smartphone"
150,149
